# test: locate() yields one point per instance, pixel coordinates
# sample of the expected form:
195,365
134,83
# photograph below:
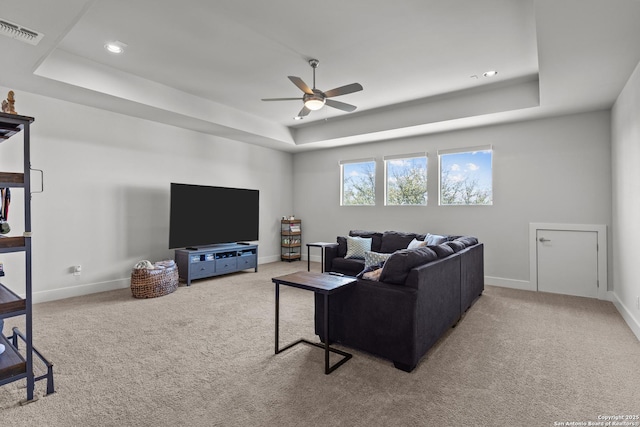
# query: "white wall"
555,170
105,204
626,200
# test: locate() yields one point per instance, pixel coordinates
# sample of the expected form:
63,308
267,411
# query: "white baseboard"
610,296
523,285
75,291
627,315
314,258
268,259
92,288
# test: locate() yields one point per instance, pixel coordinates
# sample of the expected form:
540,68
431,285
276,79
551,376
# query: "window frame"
421,155
342,164
481,148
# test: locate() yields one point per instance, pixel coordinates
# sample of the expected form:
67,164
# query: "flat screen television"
203,215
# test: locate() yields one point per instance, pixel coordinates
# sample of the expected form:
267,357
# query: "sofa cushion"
467,240
435,239
374,258
395,240
357,246
397,267
442,250
376,238
455,245
348,266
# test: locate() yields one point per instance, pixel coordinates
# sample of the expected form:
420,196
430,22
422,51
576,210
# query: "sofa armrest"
472,275
439,296
372,316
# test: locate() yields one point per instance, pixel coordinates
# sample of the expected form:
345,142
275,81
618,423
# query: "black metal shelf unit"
16,364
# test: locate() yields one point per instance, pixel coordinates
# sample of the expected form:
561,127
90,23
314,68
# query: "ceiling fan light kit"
313,102
314,99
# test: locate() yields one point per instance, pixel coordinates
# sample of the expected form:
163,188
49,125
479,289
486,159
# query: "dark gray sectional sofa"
421,293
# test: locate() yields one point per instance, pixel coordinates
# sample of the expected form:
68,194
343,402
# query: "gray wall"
106,199
626,200
556,170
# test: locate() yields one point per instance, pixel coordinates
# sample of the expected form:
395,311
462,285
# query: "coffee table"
325,284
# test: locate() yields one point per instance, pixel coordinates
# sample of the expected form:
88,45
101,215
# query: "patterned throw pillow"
357,246
374,258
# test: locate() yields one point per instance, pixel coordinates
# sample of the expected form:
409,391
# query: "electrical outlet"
77,269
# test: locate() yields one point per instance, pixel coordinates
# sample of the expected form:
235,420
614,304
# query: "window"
358,182
466,176
406,179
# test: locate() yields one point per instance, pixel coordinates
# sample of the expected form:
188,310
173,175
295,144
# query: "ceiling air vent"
19,32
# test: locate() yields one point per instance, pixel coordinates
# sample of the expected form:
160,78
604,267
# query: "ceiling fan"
315,99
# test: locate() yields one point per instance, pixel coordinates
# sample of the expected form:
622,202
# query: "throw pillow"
357,246
415,243
367,270
435,239
397,267
374,258
372,275
376,238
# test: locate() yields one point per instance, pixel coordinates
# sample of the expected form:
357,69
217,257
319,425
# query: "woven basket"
151,283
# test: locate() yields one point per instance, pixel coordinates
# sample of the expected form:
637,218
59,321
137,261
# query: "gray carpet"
203,356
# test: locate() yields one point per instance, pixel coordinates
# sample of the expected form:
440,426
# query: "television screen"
203,215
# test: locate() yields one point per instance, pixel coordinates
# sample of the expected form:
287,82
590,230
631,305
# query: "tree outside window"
406,181
466,177
358,183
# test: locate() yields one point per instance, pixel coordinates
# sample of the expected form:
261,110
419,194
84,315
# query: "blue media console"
209,261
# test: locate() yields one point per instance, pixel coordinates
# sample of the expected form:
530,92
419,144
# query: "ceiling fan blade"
343,90
305,111
301,85
281,99
340,105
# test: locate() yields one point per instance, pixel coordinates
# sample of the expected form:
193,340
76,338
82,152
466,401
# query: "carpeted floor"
203,356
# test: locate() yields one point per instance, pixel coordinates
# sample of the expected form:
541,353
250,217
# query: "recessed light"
298,118
490,73
115,46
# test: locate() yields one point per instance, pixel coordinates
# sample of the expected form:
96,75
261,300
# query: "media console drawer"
226,265
200,269
247,261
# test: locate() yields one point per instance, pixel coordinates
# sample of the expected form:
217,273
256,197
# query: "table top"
322,244
323,283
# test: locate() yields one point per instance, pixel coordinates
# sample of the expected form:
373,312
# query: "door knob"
542,239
